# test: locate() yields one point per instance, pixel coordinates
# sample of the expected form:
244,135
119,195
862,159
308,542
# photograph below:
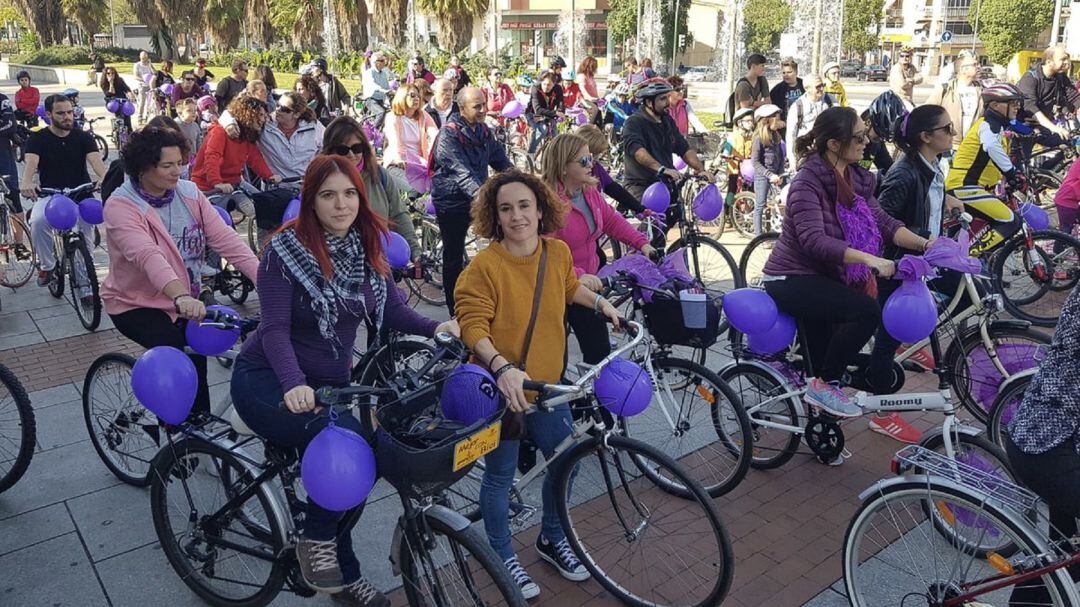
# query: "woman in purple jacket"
319,277
822,269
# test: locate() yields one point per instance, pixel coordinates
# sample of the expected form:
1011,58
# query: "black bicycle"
18,431
17,257
102,145
74,261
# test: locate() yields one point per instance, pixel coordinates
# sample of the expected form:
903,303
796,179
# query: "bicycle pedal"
521,518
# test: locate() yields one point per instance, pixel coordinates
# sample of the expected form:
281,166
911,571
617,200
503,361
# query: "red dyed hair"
309,230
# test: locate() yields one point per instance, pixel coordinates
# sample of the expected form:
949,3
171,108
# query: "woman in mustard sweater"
495,298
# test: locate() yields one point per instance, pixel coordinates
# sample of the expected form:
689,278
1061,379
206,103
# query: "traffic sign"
946,36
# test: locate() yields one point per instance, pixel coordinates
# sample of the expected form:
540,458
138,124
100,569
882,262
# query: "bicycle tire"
742,214
773,447
729,437
23,419
56,287
9,253
624,452
1003,278
429,289
751,265
500,586
90,318
923,490
174,463
126,423
102,146
969,385
1004,408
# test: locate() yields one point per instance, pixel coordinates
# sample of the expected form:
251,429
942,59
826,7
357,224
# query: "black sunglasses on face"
284,109
343,150
948,127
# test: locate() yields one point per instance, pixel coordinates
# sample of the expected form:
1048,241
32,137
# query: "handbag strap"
537,294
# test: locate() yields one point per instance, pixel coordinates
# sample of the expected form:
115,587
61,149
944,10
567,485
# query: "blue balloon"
61,212
623,388
224,215
397,250
338,469
164,380
775,339
211,341
92,211
292,211
469,395
750,310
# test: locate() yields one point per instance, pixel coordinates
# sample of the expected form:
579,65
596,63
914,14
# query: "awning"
898,38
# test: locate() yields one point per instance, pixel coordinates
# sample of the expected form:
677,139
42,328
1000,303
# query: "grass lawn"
285,81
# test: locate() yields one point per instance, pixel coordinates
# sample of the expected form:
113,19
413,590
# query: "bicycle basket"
664,319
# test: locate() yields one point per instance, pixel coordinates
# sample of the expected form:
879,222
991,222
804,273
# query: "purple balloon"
338,469
512,109
581,119
1034,216
224,215
164,380
623,388
775,339
910,313
61,212
206,88
129,108
292,211
746,169
396,250
167,89
211,341
92,211
430,209
469,395
708,204
395,85
148,78
113,106
680,164
41,111
657,197
750,310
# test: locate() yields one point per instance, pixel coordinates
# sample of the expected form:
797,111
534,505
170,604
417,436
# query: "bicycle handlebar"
86,187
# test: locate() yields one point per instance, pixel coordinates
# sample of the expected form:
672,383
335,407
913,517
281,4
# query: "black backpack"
730,118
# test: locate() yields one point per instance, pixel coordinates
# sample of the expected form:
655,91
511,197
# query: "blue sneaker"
831,398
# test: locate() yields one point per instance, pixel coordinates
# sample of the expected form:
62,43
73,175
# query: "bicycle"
17,256
742,211
609,505
73,260
120,130
428,287
18,430
238,548
890,558
1005,405
102,145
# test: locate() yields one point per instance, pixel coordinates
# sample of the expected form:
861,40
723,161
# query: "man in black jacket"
1049,94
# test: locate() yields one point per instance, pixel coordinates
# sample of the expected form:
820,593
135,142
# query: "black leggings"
150,328
453,227
591,332
1055,477
836,320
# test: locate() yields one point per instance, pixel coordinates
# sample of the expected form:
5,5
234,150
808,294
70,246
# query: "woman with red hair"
320,275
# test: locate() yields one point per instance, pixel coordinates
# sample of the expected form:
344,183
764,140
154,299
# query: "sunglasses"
585,161
189,80
343,150
862,137
284,109
947,127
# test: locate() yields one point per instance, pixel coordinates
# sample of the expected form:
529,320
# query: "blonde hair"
253,85
559,153
764,130
594,137
400,104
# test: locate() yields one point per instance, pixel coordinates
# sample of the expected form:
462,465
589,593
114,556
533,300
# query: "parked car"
873,72
850,68
700,73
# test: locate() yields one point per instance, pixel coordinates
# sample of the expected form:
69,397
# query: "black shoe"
562,556
361,594
529,589
319,564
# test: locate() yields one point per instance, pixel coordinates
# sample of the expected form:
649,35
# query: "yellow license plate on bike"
476,446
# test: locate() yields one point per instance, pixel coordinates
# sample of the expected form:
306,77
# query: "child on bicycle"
619,107
768,157
208,112
738,148
27,100
188,114
80,112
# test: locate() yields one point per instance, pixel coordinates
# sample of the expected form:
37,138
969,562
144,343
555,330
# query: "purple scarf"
155,201
862,234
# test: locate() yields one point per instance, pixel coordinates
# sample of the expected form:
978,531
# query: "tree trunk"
45,18
258,17
455,31
352,18
390,21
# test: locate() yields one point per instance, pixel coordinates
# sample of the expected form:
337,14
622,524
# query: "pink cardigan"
394,153
142,255
575,231
1068,195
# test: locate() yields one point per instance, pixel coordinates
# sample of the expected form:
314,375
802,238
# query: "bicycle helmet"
206,102
884,110
1002,91
742,113
828,66
22,74
525,81
557,62
70,93
320,63
570,75
450,74
623,89
651,88
765,111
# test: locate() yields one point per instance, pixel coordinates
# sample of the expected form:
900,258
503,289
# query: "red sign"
529,25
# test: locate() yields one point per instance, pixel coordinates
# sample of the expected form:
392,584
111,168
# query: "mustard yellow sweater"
494,296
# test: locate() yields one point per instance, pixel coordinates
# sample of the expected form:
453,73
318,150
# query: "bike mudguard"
444,515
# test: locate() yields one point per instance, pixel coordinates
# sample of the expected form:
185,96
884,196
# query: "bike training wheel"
187,484
890,557
56,287
125,434
454,567
391,358
742,214
973,376
641,543
18,429
84,293
754,257
1032,283
696,419
17,260
762,398
979,453
1004,409
102,147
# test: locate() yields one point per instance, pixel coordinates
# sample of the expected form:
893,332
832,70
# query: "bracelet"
174,299
502,370
596,303
491,363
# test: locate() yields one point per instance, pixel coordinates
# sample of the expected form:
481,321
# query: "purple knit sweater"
288,339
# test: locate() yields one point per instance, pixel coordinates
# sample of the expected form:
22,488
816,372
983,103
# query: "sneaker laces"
362,590
323,555
566,554
521,577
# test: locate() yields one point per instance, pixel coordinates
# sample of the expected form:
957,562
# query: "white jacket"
286,157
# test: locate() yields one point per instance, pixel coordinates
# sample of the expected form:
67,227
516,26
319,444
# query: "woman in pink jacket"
159,229
1067,199
568,170
410,133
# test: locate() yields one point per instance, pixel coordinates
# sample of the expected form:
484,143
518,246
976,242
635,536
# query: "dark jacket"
905,195
811,239
337,96
877,152
545,107
1047,95
434,113
459,163
120,88
227,90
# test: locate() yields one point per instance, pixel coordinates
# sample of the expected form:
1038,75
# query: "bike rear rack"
977,479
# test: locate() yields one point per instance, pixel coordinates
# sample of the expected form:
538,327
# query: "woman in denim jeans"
545,106
496,295
768,157
319,277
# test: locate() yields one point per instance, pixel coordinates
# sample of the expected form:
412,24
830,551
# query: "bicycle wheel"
391,358
697,420
84,287
641,543
1004,409
975,378
1032,282
742,214
893,559
764,398
754,257
17,260
102,147
56,287
125,434
187,485
521,160
18,430
429,288
446,567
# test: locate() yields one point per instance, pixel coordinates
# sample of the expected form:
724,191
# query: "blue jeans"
540,130
546,430
761,195
259,400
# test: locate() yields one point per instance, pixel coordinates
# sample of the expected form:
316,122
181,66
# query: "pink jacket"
1068,195
393,153
575,232
142,255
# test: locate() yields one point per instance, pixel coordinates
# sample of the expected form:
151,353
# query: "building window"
959,28
957,4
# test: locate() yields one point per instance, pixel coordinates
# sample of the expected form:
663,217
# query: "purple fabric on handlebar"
913,267
953,254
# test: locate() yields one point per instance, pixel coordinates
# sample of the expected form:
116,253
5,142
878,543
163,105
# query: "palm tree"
177,11
352,18
222,20
455,19
258,18
390,18
88,14
307,28
45,18
148,13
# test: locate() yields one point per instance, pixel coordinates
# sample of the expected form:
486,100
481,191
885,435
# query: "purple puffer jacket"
812,241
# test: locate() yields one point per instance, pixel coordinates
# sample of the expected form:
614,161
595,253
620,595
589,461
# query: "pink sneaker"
895,427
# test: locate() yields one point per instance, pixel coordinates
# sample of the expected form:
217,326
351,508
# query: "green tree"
765,21
622,20
455,20
45,19
667,10
1002,32
862,22
90,15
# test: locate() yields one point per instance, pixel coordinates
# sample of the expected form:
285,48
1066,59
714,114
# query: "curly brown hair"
485,207
250,115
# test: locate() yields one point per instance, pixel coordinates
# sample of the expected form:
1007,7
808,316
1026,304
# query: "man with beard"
58,155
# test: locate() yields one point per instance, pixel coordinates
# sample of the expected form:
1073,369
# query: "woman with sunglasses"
345,137
568,169
187,89
202,75
410,132
681,111
114,87
497,94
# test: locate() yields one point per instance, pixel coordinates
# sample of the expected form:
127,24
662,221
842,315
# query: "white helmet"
765,111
